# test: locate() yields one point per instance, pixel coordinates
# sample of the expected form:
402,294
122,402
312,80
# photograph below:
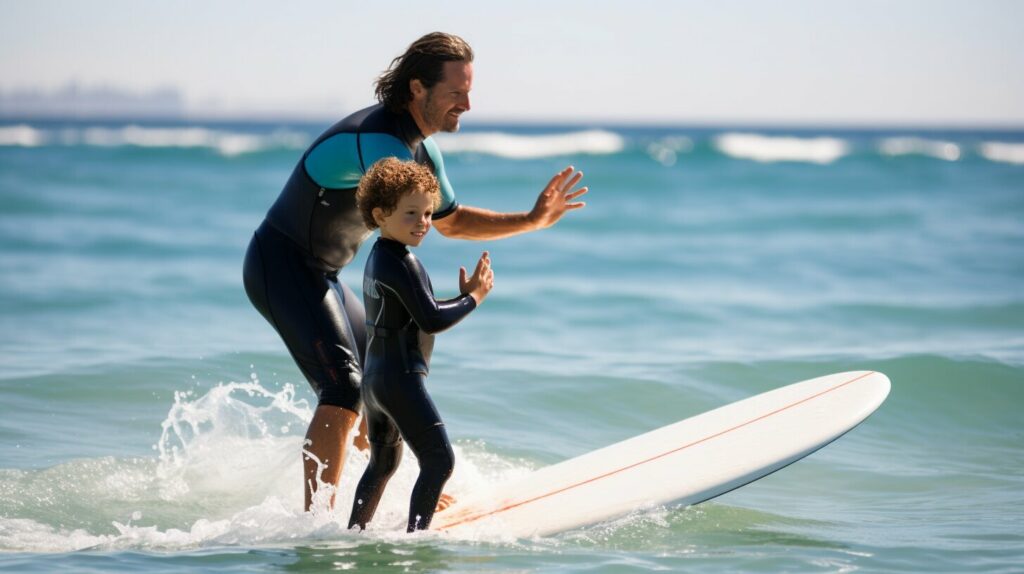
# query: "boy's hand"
481,282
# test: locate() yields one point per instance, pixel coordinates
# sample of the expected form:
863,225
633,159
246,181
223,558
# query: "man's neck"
416,117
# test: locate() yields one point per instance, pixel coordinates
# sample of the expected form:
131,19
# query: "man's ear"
416,88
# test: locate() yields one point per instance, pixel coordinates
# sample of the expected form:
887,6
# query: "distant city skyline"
871,62
77,101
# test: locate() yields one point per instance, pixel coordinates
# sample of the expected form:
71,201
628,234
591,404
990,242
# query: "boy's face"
409,222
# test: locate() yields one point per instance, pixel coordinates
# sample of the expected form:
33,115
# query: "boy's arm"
432,316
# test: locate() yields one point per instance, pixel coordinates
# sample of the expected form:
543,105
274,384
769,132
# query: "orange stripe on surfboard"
653,458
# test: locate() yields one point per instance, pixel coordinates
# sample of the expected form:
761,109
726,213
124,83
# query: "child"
402,317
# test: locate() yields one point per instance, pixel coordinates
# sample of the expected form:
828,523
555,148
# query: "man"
314,229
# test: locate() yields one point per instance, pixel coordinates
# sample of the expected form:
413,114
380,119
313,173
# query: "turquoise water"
151,420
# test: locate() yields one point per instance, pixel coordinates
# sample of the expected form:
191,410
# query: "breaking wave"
663,148
766,149
515,146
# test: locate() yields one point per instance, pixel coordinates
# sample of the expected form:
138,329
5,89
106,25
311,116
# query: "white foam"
20,136
765,149
900,146
225,142
516,146
228,471
1003,152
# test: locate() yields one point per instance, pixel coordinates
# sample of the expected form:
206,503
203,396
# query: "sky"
909,62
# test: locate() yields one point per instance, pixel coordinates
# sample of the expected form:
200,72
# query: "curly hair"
423,60
387,181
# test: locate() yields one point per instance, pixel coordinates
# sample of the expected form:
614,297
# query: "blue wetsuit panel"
334,163
340,161
448,203
374,147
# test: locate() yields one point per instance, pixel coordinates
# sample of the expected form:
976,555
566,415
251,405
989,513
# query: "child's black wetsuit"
402,316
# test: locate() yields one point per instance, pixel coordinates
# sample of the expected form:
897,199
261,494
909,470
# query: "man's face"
439,107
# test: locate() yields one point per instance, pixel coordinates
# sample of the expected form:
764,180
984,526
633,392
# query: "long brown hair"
424,61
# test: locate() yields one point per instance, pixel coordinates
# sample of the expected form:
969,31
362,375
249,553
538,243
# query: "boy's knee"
384,460
436,456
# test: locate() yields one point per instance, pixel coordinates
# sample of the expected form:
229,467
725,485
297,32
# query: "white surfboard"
687,462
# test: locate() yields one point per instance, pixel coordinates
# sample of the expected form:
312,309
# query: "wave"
899,146
232,143
21,136
227,143
515,146
765,149
1002,152
665,149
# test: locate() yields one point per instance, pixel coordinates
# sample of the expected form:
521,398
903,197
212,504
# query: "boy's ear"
378,215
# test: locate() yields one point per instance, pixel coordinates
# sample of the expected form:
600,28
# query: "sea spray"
227,472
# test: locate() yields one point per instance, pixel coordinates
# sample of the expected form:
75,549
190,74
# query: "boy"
402,317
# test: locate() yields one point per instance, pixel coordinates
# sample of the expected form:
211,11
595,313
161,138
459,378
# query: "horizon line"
485,121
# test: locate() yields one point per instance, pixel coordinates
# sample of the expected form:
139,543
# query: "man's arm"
468,222
558,197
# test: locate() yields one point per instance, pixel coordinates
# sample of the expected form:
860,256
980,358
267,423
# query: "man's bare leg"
327,440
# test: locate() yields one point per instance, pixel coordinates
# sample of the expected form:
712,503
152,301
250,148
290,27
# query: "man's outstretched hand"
558,198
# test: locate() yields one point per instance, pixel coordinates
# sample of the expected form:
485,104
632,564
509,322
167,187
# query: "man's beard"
439,118
451,124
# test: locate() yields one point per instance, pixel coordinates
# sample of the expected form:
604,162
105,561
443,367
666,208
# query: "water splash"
227,471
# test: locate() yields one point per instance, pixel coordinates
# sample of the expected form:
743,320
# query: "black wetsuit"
403,317
312,231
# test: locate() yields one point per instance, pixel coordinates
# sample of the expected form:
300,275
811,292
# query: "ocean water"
150,420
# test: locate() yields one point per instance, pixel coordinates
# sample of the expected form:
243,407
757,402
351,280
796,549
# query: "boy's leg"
437,461
384,460
385,455
416,416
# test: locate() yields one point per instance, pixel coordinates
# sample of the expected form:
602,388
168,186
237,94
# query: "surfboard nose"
880,385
